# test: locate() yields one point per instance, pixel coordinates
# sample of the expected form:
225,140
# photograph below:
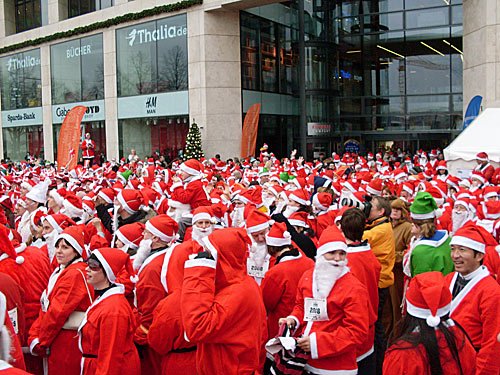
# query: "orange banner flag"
250,127
69,139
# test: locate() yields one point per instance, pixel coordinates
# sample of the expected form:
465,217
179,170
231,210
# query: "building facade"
329,75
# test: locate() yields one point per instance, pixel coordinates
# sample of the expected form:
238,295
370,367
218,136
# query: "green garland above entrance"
184,4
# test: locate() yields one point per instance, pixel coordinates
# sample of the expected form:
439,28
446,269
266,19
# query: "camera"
365,207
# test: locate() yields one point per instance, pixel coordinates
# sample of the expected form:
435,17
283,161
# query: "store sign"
27,61
95,111
154,105
78,51
140,36
22,117
317,129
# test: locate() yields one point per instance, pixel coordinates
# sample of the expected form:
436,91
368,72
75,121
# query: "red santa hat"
490,192
299,219
433,153
322,200
58,195
6,246
475,175
28,184
278,235
375,187
428,297
107,194
276,190
490,210
192,167
74,236
163,227
59,222
331,239
399,174
37,217
130,200
257,221
469,236
131,235
300,196
482,156
441,165
73,205
203,213
113,261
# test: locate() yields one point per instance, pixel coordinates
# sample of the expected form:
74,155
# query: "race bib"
254,270
13,319
315,310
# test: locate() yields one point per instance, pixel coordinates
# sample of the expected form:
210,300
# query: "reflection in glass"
21,141
28,14
21,84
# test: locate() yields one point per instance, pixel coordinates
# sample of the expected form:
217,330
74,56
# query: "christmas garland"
184,4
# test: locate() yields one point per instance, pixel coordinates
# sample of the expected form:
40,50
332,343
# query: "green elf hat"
264,172
284,176
125,175
423,207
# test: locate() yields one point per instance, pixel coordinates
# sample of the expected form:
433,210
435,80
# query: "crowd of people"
352,264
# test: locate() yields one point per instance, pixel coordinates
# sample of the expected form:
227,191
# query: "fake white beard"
237,217
458,219
50,240
142,253
200,233
268,201
176,214
4,344
280,206
326,274
258,253
290,210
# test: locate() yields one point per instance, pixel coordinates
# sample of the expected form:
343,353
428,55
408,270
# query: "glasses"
94,265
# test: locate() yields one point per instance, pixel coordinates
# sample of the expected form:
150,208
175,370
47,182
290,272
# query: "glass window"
250,53
428,73
428,103
77,70
288,59
269,60
457,16
427,17
20,142
21,84
152,57
417,4
28,14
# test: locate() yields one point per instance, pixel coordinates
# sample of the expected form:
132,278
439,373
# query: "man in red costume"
88,151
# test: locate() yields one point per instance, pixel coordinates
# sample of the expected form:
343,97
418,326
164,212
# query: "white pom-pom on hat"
433,320
19,259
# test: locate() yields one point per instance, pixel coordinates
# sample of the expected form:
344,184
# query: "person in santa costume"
152,263
221,306
6,342
106,334
279,286
258,261
187,187
428,341
35,200
63,305
475,297
365,266
52,226
430,251
331,314
484,166
88,151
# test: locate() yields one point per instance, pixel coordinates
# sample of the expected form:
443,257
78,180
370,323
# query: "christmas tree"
193,148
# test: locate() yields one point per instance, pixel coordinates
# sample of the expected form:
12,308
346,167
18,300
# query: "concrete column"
48,131
110,94
7,18
215,79
481,41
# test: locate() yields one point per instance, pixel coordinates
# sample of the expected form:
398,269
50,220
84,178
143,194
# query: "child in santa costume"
107,331
428,342
63,305
222,309
476,295
331,312
430,251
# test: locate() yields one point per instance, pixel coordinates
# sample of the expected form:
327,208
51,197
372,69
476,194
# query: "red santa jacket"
6,369
487,170
191,193
88,148
404,358
334,342
279,287
322,221
222,309
106,336
15,305
166,337
66,293
365,266
477,310
35,273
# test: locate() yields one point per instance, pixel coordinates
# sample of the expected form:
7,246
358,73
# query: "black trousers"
367,366
380,339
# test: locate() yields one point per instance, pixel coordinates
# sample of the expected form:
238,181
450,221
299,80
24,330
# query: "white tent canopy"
482,135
